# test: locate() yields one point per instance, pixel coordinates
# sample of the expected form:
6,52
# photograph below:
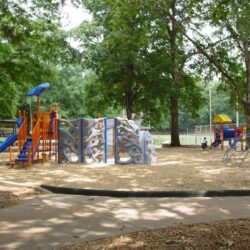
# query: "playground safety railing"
205,129
45,130
36,138
235,155
55,138
22,134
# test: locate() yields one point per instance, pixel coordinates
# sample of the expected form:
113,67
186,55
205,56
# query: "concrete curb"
147,194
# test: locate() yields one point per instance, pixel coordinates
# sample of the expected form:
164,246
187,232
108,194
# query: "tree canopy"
32,45
151,58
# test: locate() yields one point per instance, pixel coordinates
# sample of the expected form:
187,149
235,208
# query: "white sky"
72,16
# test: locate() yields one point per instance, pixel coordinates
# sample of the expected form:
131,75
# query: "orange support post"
12,158
29,157
55,137
50,149
36,138
22,134
55,134
38,106
43,137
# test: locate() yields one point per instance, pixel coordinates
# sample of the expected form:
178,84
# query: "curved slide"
8,142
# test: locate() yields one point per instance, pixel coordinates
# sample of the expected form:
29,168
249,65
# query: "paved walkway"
49,221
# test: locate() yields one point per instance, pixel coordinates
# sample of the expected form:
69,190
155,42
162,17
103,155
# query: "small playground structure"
236,151
223,132
135,143
102,140
82,140
36,140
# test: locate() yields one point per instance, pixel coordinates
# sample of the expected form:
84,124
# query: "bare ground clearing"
175,169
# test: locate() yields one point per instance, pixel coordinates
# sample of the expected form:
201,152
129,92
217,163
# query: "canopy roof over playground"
38,90
221,119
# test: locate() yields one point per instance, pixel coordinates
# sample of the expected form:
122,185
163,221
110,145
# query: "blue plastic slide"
8,142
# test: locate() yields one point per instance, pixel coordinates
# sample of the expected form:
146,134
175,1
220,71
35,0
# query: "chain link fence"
193,136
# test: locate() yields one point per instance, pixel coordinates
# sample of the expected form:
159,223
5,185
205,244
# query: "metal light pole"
237,113
210,113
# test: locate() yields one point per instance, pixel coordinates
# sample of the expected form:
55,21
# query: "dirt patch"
10,196
228,234
176,169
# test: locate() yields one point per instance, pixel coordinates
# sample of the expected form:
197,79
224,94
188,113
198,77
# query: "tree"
122,61
68,92
32,44
184,90
139,62
227,47
95,97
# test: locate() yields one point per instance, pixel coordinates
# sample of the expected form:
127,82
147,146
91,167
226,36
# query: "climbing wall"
69,141
149,152
82,141
94,140
131,144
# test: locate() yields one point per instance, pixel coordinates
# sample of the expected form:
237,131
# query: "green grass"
186,139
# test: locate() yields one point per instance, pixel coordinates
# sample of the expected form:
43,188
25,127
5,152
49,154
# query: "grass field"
186,139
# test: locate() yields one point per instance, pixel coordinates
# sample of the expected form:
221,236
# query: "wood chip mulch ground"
10,196
223,235
175,169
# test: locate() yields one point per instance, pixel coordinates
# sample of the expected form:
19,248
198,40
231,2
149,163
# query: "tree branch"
218,66
235,36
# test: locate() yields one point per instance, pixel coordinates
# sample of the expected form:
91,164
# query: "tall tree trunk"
174,100
247,106
247,115
129,104
175,139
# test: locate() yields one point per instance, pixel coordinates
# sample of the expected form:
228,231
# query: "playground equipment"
82,141
223,132
76,141
88,140
133,142
232,155
234,135
41,140
8,142
12,138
